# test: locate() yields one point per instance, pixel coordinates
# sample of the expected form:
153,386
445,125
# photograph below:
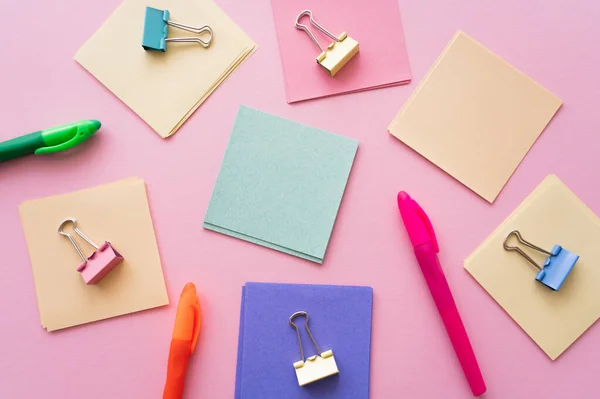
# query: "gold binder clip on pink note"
338,53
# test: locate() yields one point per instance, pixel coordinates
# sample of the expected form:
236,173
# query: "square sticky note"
376,26
340,320
280,184
164,88
475,116
117,213
551,215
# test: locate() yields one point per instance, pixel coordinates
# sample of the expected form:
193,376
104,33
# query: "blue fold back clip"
156,29
555,269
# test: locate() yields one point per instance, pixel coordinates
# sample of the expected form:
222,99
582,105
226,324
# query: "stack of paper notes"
382,60
280,184
340,320
475,116
117,213
164,88
550,215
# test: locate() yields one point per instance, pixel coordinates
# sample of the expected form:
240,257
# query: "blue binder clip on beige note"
555,269
156,29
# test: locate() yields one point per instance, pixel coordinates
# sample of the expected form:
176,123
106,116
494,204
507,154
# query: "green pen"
49,141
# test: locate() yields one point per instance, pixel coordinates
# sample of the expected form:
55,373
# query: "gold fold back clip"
338,53
315,367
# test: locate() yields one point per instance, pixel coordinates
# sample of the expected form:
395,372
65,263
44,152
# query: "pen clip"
428,226
197,324
79,136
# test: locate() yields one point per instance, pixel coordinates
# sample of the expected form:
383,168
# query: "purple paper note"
340,320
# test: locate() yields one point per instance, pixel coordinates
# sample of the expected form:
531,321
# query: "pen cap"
418,225
188,319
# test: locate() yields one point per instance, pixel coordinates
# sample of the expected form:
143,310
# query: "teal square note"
280,184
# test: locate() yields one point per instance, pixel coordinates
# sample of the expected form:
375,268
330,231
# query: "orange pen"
183,343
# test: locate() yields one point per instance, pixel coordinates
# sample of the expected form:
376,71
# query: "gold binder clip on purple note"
99,263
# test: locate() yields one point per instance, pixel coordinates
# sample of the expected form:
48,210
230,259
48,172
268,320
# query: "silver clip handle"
527,244
292,317
62,232
192,29
316,25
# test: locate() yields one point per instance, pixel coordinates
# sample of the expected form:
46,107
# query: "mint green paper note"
280,184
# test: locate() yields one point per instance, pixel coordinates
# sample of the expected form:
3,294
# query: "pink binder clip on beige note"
99,263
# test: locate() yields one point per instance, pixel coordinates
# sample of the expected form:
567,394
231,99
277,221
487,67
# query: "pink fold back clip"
99,263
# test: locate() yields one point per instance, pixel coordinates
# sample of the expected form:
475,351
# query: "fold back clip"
315,367
338,53
156,27
555,269
99,263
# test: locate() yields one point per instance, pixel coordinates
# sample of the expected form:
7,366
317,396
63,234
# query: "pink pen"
422,237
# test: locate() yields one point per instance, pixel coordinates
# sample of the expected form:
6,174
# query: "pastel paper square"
340,319
376,25
551,215
475,116
280,184
118,212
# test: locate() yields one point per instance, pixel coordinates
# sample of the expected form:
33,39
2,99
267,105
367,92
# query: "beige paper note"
164,89
475,116
553,319
117,213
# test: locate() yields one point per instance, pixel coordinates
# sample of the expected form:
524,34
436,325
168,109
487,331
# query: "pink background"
555,42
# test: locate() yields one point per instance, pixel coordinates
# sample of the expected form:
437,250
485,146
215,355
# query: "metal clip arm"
316,25
297,314
525,243
192,29
80,233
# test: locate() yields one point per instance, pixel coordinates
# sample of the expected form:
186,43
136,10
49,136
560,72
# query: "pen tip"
96,124
402,195
189,287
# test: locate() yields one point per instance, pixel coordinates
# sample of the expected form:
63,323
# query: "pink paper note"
382,60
